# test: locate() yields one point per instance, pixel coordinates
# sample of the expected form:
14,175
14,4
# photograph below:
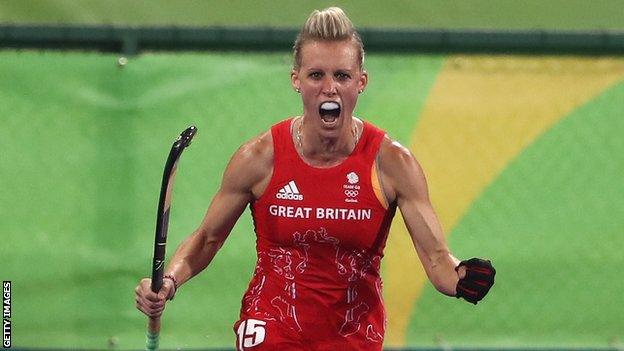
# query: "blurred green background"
84,142
501,14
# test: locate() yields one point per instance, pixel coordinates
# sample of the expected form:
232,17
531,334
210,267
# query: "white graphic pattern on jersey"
290,262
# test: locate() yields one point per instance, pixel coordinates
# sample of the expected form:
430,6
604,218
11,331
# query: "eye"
342,76
315,75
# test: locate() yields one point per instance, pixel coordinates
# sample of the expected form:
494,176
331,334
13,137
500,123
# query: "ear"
363,81
294,79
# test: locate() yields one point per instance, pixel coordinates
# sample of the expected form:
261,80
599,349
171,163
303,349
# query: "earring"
360,91
298,91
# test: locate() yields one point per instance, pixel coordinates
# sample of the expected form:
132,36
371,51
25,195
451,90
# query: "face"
330,80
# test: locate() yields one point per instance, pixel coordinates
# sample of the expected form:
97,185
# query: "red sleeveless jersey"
320,239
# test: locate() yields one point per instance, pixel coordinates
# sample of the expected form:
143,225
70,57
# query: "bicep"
234,194
224,210
418,214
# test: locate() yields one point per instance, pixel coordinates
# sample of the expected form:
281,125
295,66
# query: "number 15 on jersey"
251,332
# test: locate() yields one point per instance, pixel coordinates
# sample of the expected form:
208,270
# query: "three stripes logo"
289,192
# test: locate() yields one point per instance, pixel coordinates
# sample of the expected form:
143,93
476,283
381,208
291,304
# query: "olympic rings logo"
351,193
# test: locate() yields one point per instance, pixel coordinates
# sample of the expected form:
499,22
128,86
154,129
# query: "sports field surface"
487,14
522,154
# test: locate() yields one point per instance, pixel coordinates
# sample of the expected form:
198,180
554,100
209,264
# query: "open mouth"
329,112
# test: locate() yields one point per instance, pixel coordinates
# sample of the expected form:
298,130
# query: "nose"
329,86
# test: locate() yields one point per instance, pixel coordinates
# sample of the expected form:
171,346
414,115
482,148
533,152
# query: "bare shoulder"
257,150
401,172
396,158
251,164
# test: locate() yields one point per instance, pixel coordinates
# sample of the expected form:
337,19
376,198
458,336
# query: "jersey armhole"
377,185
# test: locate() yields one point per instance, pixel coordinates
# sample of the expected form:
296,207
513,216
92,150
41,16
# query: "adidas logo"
289,192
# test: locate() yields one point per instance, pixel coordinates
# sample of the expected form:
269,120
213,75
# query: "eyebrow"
337,70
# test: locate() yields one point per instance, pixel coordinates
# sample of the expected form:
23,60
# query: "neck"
320,150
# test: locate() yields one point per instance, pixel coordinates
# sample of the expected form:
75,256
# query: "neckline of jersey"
355,150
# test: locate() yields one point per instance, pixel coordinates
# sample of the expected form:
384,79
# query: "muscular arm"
247,172
244,179
404,182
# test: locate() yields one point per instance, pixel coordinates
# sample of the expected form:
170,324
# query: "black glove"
478,280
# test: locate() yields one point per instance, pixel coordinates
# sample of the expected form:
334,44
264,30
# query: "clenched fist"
478,280
149,302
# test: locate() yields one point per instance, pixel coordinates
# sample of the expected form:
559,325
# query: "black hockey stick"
162,224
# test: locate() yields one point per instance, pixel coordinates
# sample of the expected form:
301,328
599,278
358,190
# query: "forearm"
442,272
193,256
197,251
430,244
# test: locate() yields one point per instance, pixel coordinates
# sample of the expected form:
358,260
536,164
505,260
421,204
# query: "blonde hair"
330,24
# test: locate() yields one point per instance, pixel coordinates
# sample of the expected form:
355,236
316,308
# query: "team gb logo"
352,178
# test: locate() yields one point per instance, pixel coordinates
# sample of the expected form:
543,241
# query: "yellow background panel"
482,111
